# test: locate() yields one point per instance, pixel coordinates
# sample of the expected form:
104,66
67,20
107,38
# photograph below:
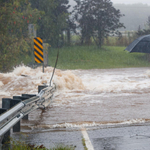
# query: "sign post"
38,51
45,51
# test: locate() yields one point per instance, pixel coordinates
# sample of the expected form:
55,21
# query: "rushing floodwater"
84,98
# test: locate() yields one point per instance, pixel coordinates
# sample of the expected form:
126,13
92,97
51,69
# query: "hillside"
135,15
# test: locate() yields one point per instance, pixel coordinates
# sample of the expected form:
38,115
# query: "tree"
146,31
71,27
97,19
148,22
54,22
15,15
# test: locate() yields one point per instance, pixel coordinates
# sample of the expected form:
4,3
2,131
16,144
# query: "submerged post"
16,127
22,98
40,87
6,137
6,103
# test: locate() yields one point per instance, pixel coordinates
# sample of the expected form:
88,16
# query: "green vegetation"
83,142
90,57
49,18
15,16
54,22
97,23
18,145
57,26
27,147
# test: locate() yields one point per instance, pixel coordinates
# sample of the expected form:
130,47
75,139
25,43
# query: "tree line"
90,19
94,19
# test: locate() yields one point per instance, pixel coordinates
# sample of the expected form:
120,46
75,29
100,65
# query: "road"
125,137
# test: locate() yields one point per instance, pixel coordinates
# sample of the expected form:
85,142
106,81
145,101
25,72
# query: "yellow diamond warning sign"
38,50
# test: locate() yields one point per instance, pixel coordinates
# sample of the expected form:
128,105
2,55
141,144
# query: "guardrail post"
28,95
6,137
6,103
40,87
16,127
22,98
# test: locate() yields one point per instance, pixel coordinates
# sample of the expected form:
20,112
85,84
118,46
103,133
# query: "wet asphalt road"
122,138
51,139
135,137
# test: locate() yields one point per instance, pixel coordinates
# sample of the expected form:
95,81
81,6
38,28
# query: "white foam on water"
133,121
66,80
114,83
147,74
1,83
24,79
88,124
77,88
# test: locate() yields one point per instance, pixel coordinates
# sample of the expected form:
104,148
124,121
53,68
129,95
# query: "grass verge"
83,142
18,145
90,57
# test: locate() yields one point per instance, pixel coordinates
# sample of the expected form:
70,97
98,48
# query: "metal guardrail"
13,115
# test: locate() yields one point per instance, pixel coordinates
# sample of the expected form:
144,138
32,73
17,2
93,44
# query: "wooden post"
43,67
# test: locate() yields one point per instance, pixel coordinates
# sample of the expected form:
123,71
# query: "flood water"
84,98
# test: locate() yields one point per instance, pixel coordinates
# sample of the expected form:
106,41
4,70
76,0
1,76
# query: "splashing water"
24,79
84,97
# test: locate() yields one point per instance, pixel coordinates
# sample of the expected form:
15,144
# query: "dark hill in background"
135,15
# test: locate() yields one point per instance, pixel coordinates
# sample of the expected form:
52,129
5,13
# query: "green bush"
15,15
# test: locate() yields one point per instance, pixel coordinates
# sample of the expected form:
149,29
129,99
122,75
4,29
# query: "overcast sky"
131,1
123,1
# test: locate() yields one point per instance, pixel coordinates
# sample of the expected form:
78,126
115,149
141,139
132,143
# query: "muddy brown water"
84,98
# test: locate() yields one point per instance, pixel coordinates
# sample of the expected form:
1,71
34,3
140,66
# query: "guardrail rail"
13,115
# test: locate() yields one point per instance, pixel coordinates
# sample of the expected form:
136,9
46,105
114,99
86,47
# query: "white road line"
87,140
